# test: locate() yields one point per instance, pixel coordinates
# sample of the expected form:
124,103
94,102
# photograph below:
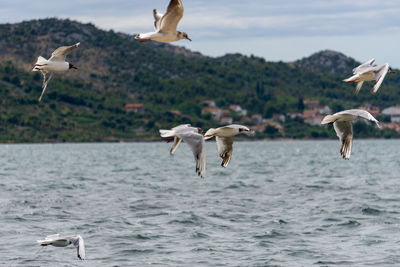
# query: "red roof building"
138,108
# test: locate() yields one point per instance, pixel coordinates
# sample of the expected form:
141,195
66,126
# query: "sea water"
281,203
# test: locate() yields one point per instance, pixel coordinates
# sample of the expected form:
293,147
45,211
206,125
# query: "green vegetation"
114,70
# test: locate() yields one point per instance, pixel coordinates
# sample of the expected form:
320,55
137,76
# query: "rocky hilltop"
328,62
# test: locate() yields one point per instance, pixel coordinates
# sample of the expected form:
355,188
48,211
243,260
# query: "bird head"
72,66
391,71
244,129
183,35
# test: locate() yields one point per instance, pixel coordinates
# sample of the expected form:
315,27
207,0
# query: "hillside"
171,83
327,62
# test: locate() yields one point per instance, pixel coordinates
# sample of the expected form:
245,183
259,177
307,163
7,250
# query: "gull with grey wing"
54,64
344,129
165,25
63,241
224,137
194,139
368,72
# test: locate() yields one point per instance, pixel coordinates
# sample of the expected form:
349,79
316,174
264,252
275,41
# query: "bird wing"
344,130
359,113
60,53
80,247
225,149
174,14
197,144
181,127
358,87
46,80
49,238
177,141
235,126
52,237
157,19
379,77
364,66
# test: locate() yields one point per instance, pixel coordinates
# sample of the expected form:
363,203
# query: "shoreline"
163,141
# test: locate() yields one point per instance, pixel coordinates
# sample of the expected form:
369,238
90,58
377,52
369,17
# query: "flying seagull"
223,136
54,64
194,139
165,25
368,72
63,241
344,128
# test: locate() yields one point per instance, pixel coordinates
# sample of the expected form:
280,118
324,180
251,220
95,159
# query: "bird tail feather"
39,63
167,133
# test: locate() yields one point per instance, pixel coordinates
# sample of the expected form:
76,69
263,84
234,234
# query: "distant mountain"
328,62
169,81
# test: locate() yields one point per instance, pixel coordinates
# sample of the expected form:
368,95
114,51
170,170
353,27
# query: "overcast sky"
276,30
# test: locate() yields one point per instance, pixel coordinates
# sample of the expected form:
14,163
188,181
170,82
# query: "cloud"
212,25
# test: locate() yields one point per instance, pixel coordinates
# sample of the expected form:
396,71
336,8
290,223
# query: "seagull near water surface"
368,72
165,25
194,139
63,241
223,136
54,64
344,128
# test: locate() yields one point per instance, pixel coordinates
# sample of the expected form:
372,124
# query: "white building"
393,112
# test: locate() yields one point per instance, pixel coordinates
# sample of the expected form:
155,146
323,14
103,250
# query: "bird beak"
392,71
73,67
188,38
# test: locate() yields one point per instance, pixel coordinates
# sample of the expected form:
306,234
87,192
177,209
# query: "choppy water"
277,204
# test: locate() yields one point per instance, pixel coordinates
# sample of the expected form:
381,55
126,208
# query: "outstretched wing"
157,19
177,141
359,113
80,247
46,79
48,239
379,77
225,149
363,66
197,144
358,87
174,14
60,53
344,130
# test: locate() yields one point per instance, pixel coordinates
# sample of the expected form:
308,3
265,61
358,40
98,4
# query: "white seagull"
344,129
165,25
223,136
368,72
63,241
54,64
194,139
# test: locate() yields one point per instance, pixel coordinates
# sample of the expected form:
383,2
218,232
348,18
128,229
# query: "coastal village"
312,114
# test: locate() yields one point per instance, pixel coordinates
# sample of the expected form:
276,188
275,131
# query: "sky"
273,29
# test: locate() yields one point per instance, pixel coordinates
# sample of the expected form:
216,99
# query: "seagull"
63,241
344,129
194,139
165,25
368,72
54,64
223,136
